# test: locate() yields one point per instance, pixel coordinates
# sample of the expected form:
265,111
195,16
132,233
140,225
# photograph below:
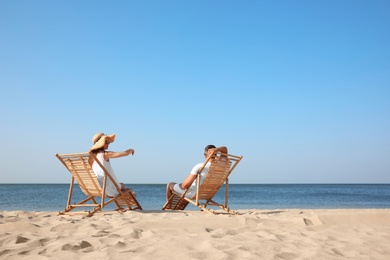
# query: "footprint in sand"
35,243
251,223
137,233
4,252
24,252
308,222
337,252
280,237
20,239
208,230
101,233
45,241
120,244
42,252
286,255
82,245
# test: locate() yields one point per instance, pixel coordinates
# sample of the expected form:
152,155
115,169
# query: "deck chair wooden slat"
222,165
82,173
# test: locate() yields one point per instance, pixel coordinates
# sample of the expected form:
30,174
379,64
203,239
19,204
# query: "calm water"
53,197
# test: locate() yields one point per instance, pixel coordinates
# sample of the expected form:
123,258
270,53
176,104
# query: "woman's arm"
108,155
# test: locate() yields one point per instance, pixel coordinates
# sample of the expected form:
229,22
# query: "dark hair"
210,146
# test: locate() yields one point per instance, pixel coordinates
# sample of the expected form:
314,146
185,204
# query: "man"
191,180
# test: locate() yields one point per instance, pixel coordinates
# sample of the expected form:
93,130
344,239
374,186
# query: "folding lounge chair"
222,165
82,173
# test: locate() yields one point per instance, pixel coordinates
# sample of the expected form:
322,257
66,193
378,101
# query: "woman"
100,145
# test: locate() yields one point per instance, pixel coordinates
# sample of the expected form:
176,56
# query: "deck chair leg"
117,204
226,192
207,210
94,201
228,210
73,206
90,213
70,193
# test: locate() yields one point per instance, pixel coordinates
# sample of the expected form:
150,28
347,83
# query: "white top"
192,190
110,187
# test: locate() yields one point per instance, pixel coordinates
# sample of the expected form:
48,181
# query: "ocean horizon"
53,197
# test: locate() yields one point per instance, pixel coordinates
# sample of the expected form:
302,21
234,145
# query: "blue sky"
301,89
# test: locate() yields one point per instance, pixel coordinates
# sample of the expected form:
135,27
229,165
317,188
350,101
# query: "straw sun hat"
100,139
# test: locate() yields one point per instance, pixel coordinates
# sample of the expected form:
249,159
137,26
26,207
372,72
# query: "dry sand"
253,234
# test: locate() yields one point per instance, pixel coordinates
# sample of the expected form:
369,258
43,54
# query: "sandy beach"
252,234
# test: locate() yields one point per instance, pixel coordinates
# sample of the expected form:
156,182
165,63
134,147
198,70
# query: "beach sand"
252,234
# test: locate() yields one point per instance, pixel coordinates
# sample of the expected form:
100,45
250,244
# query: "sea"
53,197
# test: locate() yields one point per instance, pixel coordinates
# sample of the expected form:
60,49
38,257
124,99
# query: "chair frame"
82,173
204,201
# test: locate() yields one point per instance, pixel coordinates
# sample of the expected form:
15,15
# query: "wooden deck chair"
82,173
222,165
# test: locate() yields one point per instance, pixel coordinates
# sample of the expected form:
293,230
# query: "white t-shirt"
110,187
192,190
